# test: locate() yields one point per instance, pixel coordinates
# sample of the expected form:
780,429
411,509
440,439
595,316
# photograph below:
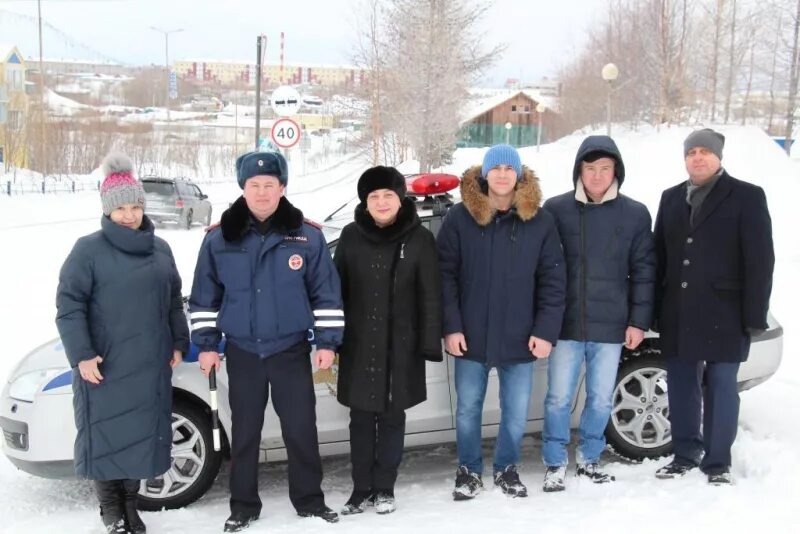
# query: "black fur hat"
381,177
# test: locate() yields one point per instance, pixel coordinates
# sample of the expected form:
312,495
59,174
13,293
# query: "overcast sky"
541,35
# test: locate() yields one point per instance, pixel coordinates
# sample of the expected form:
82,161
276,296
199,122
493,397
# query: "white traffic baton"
212,389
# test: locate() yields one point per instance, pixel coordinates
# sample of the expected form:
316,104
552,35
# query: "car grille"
15,434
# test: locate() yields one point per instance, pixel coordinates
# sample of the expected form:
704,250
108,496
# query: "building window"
15,120
3,114
527,109
15,78
513,108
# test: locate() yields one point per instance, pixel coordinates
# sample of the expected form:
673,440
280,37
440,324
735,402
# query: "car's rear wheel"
639,426
187,220
194,467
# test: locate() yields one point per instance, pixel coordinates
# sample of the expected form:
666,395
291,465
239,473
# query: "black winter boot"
109,494
130,489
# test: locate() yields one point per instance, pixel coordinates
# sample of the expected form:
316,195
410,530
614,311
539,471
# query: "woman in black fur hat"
389,269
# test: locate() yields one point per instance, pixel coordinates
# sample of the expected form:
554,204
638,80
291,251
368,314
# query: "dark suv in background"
177,200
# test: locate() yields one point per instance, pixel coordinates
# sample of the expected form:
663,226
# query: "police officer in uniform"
264,277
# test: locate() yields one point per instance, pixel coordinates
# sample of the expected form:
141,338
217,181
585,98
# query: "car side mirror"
203,197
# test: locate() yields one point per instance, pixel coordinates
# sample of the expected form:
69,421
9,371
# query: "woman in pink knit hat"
120,317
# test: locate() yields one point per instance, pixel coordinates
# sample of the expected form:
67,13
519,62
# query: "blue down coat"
503,276
119,297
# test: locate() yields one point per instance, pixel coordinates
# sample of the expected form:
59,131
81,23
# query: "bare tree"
794,73
419,57
731,62
689,61
719,7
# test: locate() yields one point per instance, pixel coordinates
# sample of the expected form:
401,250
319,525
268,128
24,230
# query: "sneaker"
594,473
720,479
384,502
674,469
323,512
239,521
468,485
117,527
509,482
554,478
357,502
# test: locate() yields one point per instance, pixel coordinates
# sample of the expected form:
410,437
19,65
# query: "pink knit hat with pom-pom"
119,186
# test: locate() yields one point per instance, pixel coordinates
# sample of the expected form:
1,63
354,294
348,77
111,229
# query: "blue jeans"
563,369
516,382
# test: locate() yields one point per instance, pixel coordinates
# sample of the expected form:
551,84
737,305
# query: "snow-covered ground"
37,231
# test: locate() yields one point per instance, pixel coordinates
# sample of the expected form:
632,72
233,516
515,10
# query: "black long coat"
392,309
715,279
119,297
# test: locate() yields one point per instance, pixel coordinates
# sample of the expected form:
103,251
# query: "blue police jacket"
265,292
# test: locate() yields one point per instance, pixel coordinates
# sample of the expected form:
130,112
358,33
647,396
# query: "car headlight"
25,386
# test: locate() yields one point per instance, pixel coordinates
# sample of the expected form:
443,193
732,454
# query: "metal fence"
43,187
481,135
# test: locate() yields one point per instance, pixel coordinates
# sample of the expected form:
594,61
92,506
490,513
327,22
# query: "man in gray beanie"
715,263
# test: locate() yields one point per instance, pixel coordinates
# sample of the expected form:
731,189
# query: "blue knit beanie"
501,155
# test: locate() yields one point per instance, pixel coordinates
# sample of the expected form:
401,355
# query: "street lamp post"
166,60
540,109
610,73
508,127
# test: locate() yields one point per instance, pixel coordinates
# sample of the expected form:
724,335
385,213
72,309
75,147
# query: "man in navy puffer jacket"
611,264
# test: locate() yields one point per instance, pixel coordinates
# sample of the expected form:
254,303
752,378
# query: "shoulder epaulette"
316,225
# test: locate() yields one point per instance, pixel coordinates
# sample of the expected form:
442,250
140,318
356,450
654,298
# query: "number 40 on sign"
285,133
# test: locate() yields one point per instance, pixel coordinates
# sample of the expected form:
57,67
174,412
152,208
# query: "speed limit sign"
285,133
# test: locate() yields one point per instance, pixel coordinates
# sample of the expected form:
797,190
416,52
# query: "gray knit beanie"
119,186
706,138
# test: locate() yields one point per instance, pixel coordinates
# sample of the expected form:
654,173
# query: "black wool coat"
119,297
714,279
392,308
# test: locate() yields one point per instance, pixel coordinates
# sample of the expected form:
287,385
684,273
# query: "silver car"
37,421
176,200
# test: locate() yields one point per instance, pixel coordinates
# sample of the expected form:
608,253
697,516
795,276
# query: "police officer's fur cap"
261,164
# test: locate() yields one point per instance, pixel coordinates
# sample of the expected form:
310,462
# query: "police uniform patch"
296,238
295,262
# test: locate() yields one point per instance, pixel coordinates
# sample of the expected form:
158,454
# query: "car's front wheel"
195,464
639,426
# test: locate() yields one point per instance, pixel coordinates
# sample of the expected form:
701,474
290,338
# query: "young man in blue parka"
503,283
611,266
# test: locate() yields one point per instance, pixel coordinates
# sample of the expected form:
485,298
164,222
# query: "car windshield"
159,188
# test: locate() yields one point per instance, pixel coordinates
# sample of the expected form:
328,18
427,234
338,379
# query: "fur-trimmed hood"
526,202
235,221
